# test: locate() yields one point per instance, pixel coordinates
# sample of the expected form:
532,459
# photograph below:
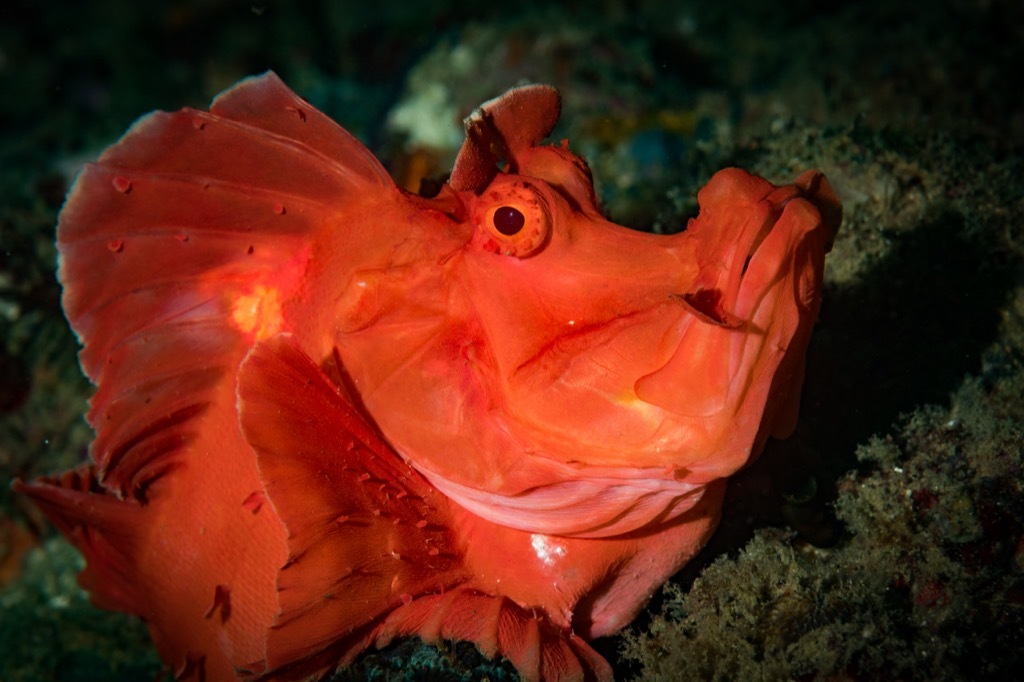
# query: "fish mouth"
714,296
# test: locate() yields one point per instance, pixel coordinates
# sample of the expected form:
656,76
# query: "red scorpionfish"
330,413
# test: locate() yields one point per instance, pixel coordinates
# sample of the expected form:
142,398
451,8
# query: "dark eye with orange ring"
508,220
512,218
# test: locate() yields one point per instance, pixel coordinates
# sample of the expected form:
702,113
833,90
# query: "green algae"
50,631
926,586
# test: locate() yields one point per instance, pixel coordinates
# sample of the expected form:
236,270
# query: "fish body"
330,412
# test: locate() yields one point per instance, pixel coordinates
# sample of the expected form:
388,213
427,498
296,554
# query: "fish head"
554,359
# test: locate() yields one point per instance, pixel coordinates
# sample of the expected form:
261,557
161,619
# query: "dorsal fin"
181,245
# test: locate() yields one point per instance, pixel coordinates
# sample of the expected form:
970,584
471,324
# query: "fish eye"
512,218
508,220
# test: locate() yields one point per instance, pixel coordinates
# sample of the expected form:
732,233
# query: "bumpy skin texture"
330,413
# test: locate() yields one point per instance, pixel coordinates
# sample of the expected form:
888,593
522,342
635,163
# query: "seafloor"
885,540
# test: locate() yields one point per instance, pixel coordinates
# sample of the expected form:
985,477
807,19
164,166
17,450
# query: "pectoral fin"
366,534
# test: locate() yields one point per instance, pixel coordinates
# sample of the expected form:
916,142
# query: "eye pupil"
508,220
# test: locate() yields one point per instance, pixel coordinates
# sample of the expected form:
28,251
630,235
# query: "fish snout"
736,371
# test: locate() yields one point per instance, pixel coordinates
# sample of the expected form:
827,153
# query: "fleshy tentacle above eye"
500,130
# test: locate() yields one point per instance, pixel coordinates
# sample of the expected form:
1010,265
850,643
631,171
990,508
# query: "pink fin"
187,214
266,103
498,627
102,527
365,531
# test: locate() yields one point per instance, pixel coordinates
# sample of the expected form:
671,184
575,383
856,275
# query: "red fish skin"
270,322
430,549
